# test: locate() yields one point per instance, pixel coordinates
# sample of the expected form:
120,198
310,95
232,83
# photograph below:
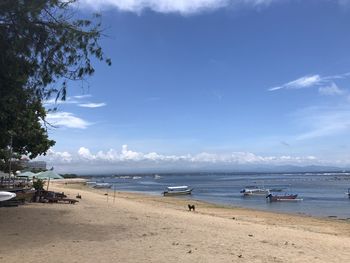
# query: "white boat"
253,190
136,177
4,196
178,190
156,176
102,185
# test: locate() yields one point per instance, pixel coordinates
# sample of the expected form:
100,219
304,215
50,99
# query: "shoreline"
228,206
207,208
139,228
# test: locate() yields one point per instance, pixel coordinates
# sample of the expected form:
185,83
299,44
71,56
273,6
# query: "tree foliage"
38,184
48,40
43,46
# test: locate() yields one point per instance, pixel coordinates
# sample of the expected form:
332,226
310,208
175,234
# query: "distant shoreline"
82,175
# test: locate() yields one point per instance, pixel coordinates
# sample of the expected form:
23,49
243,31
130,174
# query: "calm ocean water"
323,194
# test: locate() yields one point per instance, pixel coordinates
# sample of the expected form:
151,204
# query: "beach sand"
139,228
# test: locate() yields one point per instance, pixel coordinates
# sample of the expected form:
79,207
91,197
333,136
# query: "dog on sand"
191,207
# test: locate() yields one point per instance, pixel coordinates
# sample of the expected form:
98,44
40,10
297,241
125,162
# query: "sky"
210,84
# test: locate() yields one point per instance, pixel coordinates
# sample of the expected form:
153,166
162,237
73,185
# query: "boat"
286,197
156,176
177,190
276,189
348,193
102,185
254,190
4,196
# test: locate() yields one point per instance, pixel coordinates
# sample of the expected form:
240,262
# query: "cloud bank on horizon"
127,156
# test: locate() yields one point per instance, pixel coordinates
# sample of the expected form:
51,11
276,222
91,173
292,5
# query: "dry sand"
138,228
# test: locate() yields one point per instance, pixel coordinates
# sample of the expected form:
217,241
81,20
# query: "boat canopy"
177,187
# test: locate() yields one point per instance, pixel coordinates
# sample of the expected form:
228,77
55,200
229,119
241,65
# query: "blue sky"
219,83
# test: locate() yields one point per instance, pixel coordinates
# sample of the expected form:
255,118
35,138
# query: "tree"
50,44
43,46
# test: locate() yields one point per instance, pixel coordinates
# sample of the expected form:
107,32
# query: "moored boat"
286,197
177,190
254,190
4,195
102,185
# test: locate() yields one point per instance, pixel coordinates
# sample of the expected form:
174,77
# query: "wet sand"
140,228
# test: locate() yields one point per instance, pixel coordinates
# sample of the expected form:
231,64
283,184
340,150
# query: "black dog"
191,207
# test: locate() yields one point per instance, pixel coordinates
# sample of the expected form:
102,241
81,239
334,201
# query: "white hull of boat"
255,192
4,196
173,193
263,193
102,185
178,190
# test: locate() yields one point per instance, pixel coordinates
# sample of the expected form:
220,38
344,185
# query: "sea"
322,194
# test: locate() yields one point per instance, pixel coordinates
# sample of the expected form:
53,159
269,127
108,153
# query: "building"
36,165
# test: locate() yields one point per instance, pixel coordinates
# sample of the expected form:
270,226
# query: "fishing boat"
286,197
254,190
102,185
276,189
177,190
4,196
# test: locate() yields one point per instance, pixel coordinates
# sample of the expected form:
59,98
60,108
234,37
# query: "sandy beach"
139,228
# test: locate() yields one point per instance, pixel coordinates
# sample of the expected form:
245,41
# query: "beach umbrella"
48,175
27,174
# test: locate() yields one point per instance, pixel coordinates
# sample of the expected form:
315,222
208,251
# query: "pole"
48,183
10,163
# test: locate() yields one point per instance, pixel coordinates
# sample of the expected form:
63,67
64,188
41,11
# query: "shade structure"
27,174
48,175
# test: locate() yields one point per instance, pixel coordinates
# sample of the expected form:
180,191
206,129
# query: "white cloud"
326,85
78,99
66,119
92,105
303,82
53,156
84,155
172,6
130,155
330,90
82,96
